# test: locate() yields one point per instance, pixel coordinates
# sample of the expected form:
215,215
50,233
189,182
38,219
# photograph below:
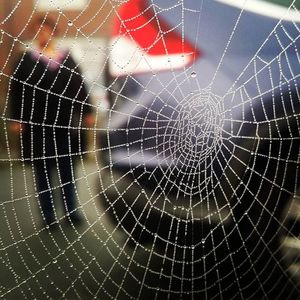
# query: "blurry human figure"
49,105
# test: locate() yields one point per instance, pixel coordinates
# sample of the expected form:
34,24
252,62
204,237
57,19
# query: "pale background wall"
87,38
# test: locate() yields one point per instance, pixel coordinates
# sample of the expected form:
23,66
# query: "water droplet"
193,74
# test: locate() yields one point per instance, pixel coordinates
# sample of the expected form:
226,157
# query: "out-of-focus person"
49,107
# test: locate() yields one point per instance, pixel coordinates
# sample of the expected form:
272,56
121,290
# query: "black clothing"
50,99
43,171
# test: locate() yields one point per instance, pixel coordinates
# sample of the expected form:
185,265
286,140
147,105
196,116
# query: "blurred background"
97,259
82,26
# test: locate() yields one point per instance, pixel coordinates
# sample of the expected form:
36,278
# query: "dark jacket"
51,100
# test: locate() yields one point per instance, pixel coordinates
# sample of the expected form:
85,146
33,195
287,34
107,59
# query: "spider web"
188,187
